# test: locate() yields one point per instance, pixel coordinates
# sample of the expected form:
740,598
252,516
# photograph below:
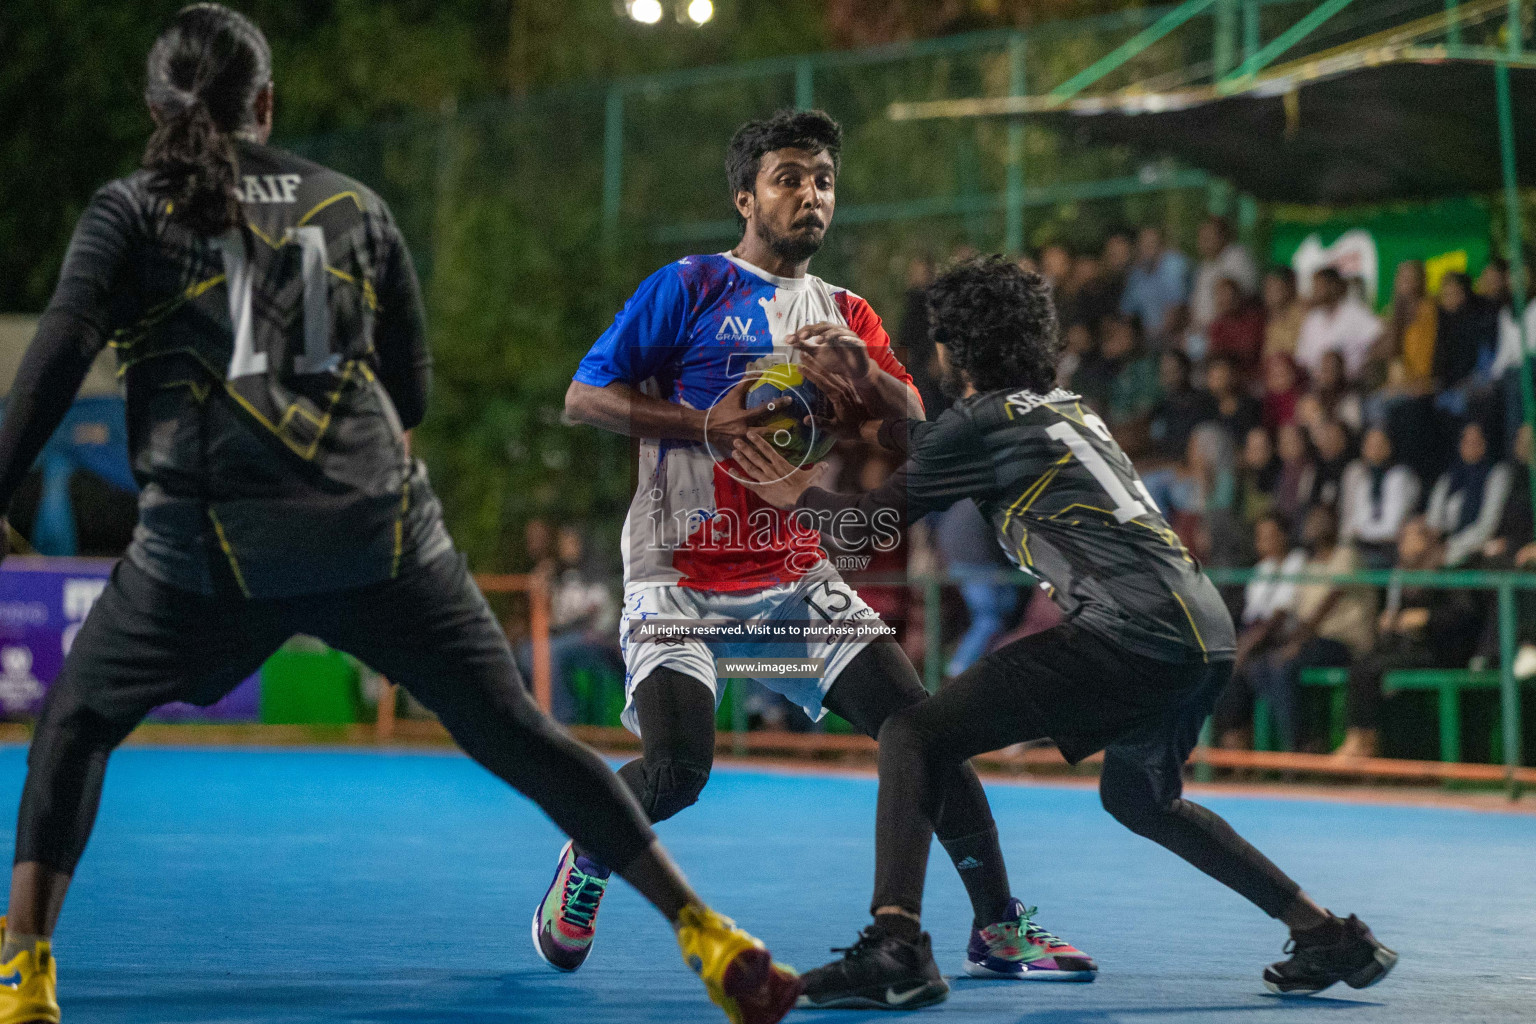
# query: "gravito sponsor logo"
735,328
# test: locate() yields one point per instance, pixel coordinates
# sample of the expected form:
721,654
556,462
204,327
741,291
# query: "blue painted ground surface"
236,887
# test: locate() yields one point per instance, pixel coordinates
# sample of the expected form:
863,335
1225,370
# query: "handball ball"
799,442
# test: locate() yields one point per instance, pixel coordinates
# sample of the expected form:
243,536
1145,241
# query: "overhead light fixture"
700,11
646,12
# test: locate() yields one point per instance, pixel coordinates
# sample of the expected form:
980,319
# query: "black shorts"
1089,693
146,643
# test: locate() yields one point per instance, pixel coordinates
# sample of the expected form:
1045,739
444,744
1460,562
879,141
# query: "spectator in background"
1175,416
1055,264
1283,312
1467,502
583,612
1466,343
1079,291
971,554
1330,451
1202,497
1515,530
1339,321
1506,364
1234,408
1221,256
1269,601
1378,497
1077,351
1156,284
1421,628
1282,390
1258,476
1297,480
1133,386
1237,332
1100,295
1493,283
1332,396
1408,341
1333,624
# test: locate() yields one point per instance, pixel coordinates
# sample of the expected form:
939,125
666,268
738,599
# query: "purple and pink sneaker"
566,921
1019,949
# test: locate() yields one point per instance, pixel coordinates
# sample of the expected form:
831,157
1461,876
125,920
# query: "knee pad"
672,785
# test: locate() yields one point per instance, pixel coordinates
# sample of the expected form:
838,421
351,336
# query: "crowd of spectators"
1284,425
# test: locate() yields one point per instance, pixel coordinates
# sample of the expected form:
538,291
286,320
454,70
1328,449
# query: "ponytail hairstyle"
203,77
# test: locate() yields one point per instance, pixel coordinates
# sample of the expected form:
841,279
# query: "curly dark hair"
811,130
998,324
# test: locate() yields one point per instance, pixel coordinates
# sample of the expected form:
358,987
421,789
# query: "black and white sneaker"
1342,950
879,972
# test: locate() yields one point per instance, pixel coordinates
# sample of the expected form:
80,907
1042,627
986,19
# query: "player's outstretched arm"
624,410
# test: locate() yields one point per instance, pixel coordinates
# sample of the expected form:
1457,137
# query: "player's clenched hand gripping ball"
801,434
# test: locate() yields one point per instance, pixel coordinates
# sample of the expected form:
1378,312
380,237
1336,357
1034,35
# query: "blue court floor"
312,886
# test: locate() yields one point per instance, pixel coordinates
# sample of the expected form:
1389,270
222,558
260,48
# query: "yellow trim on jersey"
229,552
405,507
1193,628
322,204
161,311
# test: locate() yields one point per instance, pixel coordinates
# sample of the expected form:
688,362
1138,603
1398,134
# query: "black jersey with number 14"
1068,508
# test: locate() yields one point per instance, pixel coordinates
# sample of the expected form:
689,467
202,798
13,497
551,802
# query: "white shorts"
820,595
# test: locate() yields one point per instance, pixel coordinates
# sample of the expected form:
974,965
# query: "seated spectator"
1202,494
1338,321
1421,628
1297,479
1100,295
1282,390
1506,364
1055,264
1378,496
1515,530
1077,348
1237,332
583,611
1331,396
1222,257
1258,476
1175,416
1408,340
1269,602
1333,623
1466,344
1235,409
1133,387
1093,374
1283,312
1330,458
1156,283
1467,502
1493,283
973,559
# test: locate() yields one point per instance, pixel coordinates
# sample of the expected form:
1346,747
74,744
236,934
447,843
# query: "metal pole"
613,161
1224,42
805,84
1013,215
1513,29
1509,689
1251,38
1453,23
1515,242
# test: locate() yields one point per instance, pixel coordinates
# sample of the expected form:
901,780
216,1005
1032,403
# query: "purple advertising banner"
43,602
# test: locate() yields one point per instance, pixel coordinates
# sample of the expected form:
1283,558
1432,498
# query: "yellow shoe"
738,973
29,985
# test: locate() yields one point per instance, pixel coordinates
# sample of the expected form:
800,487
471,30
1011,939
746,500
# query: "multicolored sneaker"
29,984
566,921
739,975
1020,949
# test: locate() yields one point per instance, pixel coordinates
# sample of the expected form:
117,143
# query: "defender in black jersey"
1134,669
267,322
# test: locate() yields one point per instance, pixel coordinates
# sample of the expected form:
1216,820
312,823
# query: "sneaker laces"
583,893
1033,931
868,939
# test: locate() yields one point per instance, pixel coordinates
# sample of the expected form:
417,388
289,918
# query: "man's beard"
791,248
952,385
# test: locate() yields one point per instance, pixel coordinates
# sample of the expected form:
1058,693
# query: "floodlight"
700,11
647,12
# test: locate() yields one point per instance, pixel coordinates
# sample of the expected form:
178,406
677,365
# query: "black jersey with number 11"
1068,508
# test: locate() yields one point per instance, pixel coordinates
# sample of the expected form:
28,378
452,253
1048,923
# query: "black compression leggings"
145,644
991,706
676,713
